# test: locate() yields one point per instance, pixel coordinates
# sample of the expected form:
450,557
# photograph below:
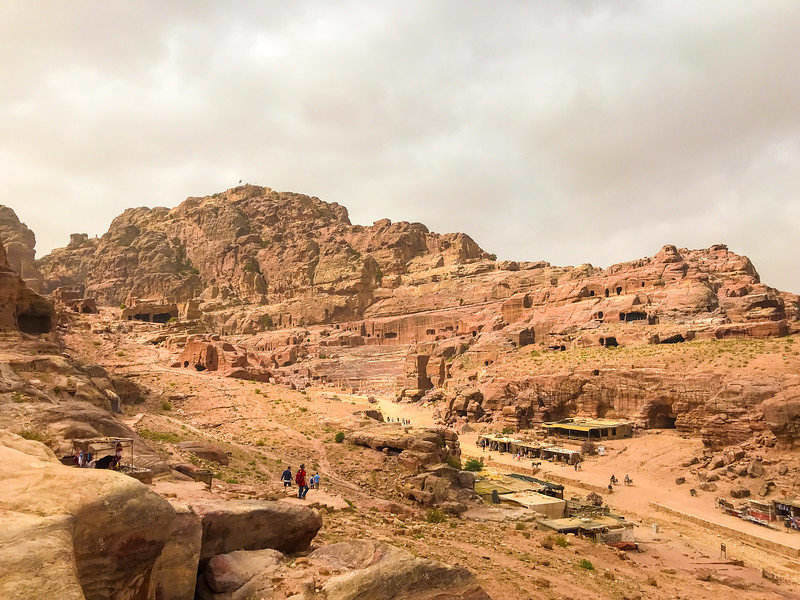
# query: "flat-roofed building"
590,429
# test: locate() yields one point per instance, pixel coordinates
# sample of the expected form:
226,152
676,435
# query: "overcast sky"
575,131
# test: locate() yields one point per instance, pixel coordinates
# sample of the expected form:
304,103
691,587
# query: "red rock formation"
20,308
20,244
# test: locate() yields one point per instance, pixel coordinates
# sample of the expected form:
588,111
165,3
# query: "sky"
574,132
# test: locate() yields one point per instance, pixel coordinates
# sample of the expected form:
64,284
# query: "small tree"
339,437
588,448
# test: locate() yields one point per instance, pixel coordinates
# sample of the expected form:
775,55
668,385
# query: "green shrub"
473,465
586,564
454,462
339,437
166,405
434,515
508,430
561,541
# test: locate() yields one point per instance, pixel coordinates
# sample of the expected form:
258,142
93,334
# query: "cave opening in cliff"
606,292
619,290
660,416
185,364
142,317
526,301
199,367
34,324
390,335
673,339
161,317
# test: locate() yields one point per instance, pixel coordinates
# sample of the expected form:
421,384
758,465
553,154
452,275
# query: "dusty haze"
583,132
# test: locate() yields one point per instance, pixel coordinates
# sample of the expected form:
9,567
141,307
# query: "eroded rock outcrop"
21,309
20,245
255,525
99,532
417,448
355,570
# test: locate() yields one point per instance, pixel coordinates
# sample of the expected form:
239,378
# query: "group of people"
401,420
85,460
614,481
301,478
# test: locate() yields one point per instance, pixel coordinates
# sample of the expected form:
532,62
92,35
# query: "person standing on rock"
286,477
302,484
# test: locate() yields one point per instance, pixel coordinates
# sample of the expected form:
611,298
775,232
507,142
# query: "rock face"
20,244
256,525
418,448
21,309
370,570
782,414
99,532
382,571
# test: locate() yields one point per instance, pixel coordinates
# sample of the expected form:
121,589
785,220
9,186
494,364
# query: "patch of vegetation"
586,564
33,434
434,515
508,430
561,541
454,462
474,465
160,436
166,405
339,437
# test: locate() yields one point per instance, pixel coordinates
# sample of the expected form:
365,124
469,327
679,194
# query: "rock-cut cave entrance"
660,416
34,324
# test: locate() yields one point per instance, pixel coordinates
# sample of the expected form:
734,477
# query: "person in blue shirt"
286,477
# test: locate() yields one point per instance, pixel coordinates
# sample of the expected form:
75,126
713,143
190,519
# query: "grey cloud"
573,132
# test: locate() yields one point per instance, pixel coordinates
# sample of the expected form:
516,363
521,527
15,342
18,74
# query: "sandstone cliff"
20,244
20,308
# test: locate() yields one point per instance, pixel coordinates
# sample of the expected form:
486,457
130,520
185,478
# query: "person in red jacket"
302,483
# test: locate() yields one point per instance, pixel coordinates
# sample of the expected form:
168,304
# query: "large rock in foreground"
75,534
362,570
256,525
382,571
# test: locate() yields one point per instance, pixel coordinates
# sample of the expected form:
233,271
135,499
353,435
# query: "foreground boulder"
382,571
255,525
355,570
175,571
75,534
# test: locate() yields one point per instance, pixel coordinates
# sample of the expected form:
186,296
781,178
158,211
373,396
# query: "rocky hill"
393,307
253,245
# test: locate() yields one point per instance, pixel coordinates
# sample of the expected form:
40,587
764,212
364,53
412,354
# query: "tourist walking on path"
286,477
302,483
